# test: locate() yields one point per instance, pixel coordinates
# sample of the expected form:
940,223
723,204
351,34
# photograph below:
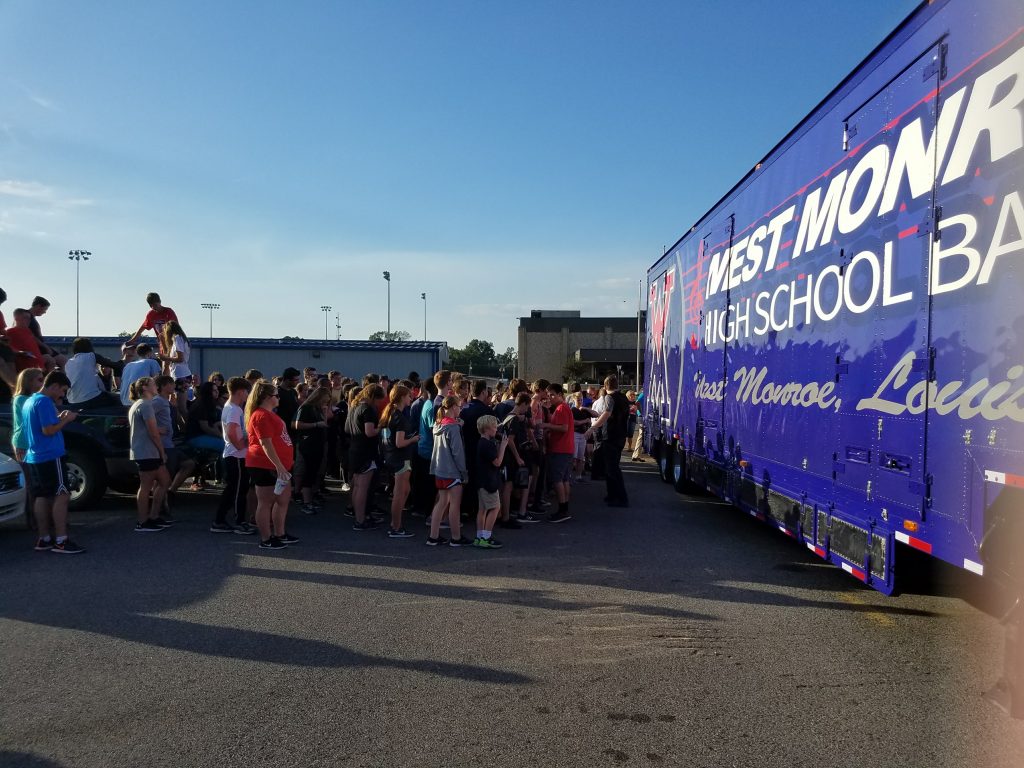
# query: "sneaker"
462,541
309,509
512,523
150,526
367,525
440,541
401,533
559,517
345,487
43,546
163,522
244,529
272,543
287,538
67,547
528,519
222,528
487,544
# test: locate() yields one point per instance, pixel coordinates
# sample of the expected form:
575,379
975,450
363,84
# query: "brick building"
560,345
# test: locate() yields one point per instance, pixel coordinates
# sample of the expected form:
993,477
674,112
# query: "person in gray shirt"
147,450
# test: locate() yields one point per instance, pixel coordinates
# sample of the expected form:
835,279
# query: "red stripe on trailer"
819,551
1004,478
786,531
854,571
914,542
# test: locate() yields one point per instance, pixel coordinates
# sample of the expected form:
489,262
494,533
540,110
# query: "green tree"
573,370
478,355
390,336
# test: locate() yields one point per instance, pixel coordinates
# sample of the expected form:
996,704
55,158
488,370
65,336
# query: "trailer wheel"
667,462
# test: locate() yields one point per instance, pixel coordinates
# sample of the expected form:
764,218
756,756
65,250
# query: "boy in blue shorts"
44,462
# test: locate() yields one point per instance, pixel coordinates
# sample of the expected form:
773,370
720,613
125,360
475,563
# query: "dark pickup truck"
97,445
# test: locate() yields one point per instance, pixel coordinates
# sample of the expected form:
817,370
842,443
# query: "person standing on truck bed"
155,320
47,475
614,419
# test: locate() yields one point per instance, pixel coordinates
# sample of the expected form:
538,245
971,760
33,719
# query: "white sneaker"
345,487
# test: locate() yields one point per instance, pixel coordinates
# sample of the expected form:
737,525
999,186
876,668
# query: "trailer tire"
666,461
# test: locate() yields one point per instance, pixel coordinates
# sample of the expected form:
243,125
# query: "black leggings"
236,489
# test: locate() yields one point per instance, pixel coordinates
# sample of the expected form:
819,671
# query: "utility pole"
387,277
211,307
337,326
326,310
78,257
424,297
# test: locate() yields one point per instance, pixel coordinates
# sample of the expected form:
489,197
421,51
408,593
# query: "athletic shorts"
148,465
559,467
47,479
261,477
406,467
446,483
488,500
580,443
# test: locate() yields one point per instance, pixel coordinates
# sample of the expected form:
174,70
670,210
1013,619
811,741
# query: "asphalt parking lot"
678,632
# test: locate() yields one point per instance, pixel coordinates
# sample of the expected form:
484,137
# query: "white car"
12,489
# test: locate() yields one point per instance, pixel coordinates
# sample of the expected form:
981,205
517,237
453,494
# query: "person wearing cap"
288,404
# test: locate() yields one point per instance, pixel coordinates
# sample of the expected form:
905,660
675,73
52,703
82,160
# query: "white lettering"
940,254
874,162
819,219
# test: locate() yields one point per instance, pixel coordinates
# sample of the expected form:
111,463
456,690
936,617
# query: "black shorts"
149,465
261,477
47,479
560,467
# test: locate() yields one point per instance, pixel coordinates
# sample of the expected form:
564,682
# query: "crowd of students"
445,447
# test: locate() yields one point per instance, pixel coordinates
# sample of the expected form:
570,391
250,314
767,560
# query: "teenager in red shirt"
155,320
269,462
561,444
27,353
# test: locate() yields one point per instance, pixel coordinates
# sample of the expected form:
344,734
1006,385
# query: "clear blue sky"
276,157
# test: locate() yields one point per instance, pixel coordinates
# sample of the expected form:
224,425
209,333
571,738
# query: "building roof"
340,345
582,324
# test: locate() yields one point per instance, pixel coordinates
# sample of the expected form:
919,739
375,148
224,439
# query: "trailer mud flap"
864,553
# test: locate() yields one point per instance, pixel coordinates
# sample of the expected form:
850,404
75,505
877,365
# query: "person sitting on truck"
175,351
8,367
154,321
28,353
47,473
87,390
135,370
38,308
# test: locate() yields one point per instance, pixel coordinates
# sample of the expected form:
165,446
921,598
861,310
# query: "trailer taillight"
911,525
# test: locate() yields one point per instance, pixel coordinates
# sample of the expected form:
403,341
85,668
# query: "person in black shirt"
288,399
310,427
362,426
489,458
399,445
613,419
473,410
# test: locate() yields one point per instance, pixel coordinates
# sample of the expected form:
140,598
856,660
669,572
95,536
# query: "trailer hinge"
930,224
925,364
842,367
937,66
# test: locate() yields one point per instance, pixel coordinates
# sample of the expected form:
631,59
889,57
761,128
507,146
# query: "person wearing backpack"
614,419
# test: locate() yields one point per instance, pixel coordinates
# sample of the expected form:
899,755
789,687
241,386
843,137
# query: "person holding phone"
269,462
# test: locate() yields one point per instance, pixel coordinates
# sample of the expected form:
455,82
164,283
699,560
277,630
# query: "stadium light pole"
337,326
424,297
78,257
210,306
327,311
387,278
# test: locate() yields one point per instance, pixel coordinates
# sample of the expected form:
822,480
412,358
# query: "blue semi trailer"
837,345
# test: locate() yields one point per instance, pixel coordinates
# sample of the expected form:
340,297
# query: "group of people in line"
444,447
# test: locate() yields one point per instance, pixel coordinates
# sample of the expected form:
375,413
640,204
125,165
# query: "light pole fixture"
424,297
387,278
78,257
326,310
210,306
337,326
